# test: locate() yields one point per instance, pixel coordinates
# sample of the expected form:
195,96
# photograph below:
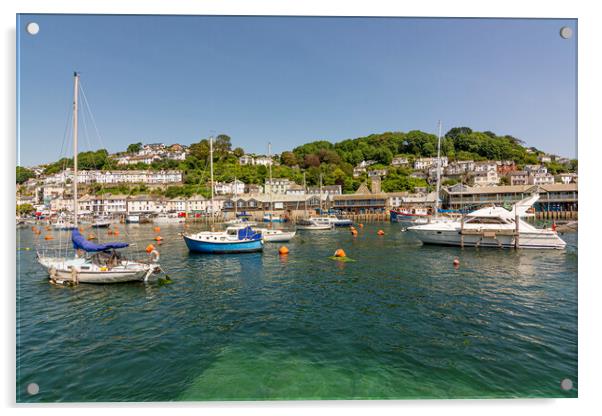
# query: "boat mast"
305,195
211,170
235,198
271,182
75,95
438,171
321,213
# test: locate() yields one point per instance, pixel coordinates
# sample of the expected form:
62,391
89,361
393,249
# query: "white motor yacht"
491,227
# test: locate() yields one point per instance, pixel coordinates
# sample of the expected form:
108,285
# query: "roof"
553,187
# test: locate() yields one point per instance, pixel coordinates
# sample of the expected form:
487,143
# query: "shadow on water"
398,322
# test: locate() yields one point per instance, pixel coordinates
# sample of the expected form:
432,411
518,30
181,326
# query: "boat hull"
454,238
231,247
102,277
278,238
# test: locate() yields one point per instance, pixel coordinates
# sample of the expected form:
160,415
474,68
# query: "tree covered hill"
333,161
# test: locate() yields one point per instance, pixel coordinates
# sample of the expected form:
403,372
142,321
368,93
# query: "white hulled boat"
491,227
90,262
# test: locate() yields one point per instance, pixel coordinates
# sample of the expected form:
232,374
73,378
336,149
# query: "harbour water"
398,322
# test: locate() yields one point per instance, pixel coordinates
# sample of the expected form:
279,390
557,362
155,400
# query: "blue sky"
291,80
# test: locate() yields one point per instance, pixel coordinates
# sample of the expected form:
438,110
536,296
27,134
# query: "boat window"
485,220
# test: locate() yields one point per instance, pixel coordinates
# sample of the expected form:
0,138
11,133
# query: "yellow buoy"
283,250
340,253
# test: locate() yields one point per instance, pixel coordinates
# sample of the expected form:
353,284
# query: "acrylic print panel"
295,208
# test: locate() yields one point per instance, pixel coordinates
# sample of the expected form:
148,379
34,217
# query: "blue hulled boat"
233,240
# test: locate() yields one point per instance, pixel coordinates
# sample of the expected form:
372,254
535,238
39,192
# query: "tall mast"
270,168
235,198
75,94
438,171
305,195
211,169
321,193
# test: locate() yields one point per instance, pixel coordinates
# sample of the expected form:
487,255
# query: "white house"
400,161
488,178
278,186
485,166
264,160
225,188
423,163
142,204
567,178
540,179
246,160
519,178
377,173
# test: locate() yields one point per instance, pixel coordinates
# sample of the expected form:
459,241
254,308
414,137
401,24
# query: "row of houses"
147,177
556,197
274,186
150,153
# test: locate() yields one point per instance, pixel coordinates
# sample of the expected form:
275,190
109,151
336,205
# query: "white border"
590,152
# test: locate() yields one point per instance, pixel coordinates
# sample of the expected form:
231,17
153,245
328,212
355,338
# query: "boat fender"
154,256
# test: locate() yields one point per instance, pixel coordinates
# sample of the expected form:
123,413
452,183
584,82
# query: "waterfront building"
397,199
363,200
557,196
143,204
119,177
103,204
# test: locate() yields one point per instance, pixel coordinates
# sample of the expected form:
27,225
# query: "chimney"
375,188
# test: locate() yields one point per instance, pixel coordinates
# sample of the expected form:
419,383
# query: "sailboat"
234,239
93,263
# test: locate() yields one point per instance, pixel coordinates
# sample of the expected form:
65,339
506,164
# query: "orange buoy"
361,225
81,229
91,236
158,238
149,248
157,229
48,237
354,232
116,232
283,251
380,232
48,228
33,228
456,262
340,253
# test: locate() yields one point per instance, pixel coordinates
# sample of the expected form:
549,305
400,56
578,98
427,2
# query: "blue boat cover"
80,243
247,233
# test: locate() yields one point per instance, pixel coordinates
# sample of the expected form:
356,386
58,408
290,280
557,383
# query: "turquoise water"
398,322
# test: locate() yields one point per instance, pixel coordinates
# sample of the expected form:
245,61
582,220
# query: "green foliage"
134,147
238,152
25,209
23,174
